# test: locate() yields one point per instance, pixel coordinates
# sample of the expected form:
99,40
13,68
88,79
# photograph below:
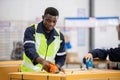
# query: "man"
44,44
113,53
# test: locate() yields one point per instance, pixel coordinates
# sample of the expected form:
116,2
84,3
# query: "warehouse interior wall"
31,9
16,15
106,8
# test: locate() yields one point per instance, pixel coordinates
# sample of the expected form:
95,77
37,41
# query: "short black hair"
52,11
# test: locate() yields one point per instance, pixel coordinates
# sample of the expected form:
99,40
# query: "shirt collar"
40,29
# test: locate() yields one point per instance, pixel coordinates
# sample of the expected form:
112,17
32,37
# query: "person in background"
113,53
17,52
43,44
67,42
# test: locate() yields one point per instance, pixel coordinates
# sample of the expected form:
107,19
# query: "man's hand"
88,56
46,65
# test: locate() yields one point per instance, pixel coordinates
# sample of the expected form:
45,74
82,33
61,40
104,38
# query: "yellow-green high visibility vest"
42,48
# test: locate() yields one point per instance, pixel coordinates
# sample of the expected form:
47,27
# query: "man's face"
49,22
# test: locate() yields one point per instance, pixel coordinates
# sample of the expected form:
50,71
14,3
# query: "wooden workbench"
7,67
70,74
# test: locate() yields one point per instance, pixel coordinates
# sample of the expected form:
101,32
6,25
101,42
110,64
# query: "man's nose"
51,24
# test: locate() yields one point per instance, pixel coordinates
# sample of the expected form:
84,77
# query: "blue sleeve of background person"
29,48
114,54
61,59
100,53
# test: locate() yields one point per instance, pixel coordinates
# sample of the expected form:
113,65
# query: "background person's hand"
118,28
88,56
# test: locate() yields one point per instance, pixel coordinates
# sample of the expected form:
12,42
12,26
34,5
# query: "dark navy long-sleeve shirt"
113,53
29,44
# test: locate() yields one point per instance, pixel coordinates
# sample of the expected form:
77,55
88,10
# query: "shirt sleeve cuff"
34,60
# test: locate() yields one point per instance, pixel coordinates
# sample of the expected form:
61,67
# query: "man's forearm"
39,60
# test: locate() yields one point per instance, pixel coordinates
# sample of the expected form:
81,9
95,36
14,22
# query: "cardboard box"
72,58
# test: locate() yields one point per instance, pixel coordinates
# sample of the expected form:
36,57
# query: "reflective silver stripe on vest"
37,38
29,42
37,41
56,45
61,54
31,66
